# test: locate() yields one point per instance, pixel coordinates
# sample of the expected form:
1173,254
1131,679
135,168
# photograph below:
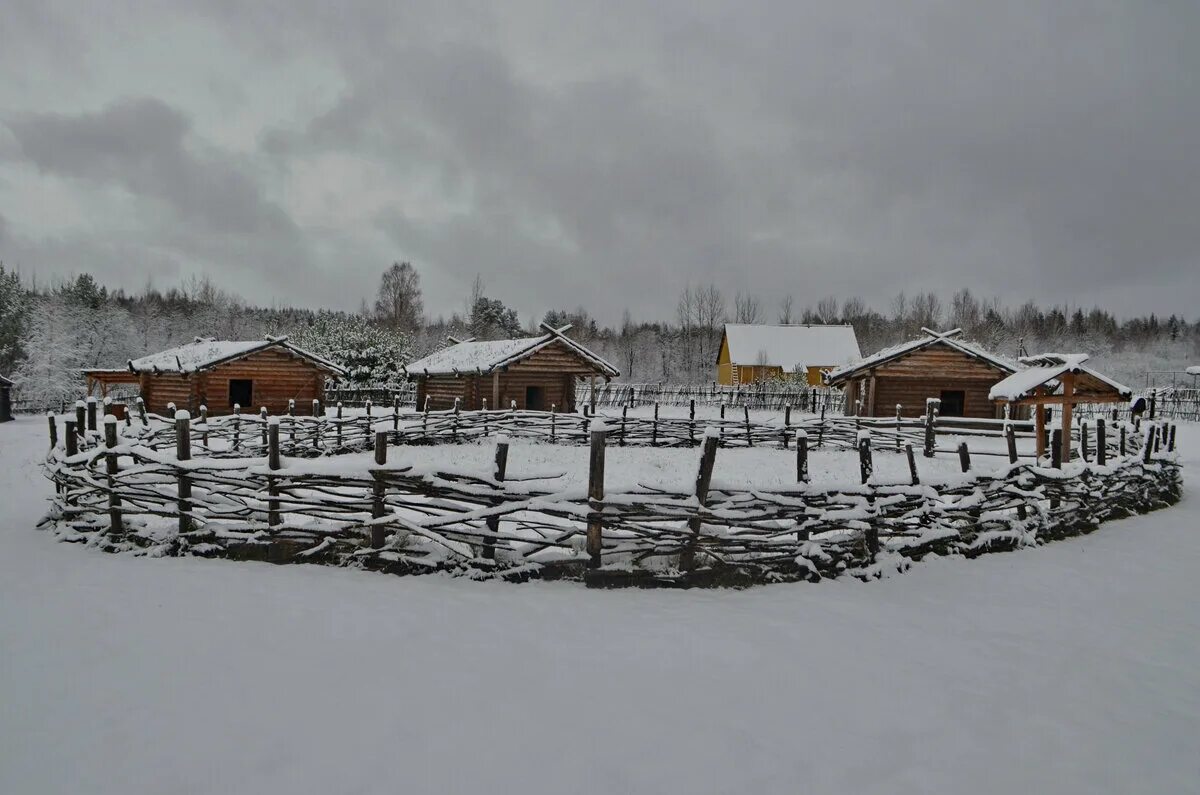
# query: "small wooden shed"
760,352
937,365
5,399
1059,379
221,373
536,373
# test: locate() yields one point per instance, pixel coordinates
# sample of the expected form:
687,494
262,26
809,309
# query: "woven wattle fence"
122,495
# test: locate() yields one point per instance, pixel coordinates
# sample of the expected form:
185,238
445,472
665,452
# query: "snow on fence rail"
758,395
122,495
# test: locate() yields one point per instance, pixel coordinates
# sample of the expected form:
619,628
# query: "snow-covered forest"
49,332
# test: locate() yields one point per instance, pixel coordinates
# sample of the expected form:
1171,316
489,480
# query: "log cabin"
937,365
5,399
220,374
750,353
534,373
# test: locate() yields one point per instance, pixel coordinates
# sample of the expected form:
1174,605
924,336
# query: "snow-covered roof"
475,357
947,338
206,353
1194,370
793,345
1047,369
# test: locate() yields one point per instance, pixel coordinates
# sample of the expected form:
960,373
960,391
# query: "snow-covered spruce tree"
49,373
374,356
12,316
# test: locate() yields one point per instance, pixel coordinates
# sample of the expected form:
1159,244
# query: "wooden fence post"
708,457
1101,442
692,421
802,475
1010,439
262,415
1153,402
91,413
204,422
378,531
866,464
183,452
553,422
274,463
1158,435
1123,443
1148,447
71,437
1171,439
1056,448
749,438
1084,449
624,417
931,407
454,423
53,430
912,464
787,426
80,417
595,527
116,525
964,457
654,427
141,407
291,413
499,470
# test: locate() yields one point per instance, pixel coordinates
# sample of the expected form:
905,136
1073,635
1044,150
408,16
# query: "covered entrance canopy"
1057,379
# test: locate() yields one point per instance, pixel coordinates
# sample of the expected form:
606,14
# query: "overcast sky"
607,153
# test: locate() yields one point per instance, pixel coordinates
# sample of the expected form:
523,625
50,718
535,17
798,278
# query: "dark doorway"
241,392
953,402
535,398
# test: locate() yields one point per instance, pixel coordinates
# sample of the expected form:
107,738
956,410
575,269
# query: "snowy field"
1072,668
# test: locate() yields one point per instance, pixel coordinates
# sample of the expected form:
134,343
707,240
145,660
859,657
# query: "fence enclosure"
126,489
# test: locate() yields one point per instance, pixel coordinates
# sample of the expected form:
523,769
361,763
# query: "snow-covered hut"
937,365
5,399
534,372
758,352
221,373
1057,379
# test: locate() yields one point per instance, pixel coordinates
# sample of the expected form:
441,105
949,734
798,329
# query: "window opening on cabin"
241,392
535,398
953,402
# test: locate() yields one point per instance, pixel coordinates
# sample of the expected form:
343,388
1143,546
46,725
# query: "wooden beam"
1068,395
1039,423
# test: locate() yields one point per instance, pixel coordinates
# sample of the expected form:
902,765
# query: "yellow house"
752,353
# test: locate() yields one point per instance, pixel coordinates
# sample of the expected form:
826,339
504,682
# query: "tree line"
49,333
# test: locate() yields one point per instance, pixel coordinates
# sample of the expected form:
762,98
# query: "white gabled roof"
471,357
206,353
1194,370
931,338
1047,369
791,346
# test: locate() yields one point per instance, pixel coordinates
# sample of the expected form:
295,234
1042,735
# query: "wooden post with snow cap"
262,415
1171,439
1085,450
1123,444
53,429
749,437
141,409
654,427
183,452
899,420
1010,439
912,464
454,422
316,407
692,421
291,413
866,463
378,531
595,528
80,417
708,458
396,413
964,457
802,475
274,463
1101,442
931,409
91,413
787,425
204,422
499,470
106,406
71,437
1148,445
553,421
339,424
624,418
116,525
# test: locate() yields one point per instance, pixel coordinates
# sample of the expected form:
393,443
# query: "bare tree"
628,342
399,303
785,309
827,309
710,314
746,309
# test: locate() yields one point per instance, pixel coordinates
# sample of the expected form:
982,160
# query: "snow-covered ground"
1074,667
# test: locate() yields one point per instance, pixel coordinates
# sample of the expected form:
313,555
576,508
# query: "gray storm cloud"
606,154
